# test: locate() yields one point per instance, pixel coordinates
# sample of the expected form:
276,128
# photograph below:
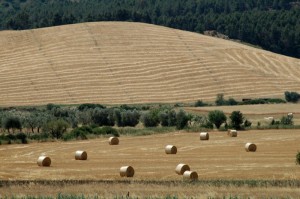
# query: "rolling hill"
125,63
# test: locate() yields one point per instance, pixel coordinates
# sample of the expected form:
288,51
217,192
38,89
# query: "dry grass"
222,158
121,62
181,190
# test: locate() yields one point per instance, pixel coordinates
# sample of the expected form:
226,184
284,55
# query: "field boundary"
215,183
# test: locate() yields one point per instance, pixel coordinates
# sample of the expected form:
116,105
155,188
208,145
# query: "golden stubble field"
127,63
220,158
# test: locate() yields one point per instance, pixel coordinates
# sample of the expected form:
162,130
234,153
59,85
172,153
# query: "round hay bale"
204,136
80,155
250,147
113,141
190,175
233,133
126,171
181,168
44,161
171,149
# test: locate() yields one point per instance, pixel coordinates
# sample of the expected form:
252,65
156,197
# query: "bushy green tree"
181,119
236,120
103,117
292,96
84,117
126,117
200,103
232,102
220,101
13,123
35,120
167,117
151,118
57,128
217,117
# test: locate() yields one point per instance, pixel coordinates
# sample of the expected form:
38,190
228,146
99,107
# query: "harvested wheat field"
221,157
123,62
219,161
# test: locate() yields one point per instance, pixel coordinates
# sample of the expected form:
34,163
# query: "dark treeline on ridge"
272,24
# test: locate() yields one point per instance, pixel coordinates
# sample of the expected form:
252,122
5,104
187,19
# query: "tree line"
92,120
272,24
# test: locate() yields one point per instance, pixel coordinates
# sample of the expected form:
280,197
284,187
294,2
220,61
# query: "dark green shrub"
254,101
85,106
286,120
22,137
12,123
200,103
151,118
128,108
207,125
130,118
108,130
76,134
172,118
145,108
126,117
220,101
263,101
237,120
181,120
60,112
163,117
98,131
51,106
298,158
247,123
103,117
86,129
276,101
217,117
292,96
10,137
231,102
57,128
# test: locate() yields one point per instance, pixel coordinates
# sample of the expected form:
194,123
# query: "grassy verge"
82,189
145,131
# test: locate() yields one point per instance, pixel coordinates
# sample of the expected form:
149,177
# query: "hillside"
122,62
271,24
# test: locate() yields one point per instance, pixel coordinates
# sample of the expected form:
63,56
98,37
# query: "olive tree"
217,117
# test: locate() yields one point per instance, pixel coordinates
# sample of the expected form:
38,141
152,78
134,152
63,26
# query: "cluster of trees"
221,101
56,120
292,96
271,24
237,120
